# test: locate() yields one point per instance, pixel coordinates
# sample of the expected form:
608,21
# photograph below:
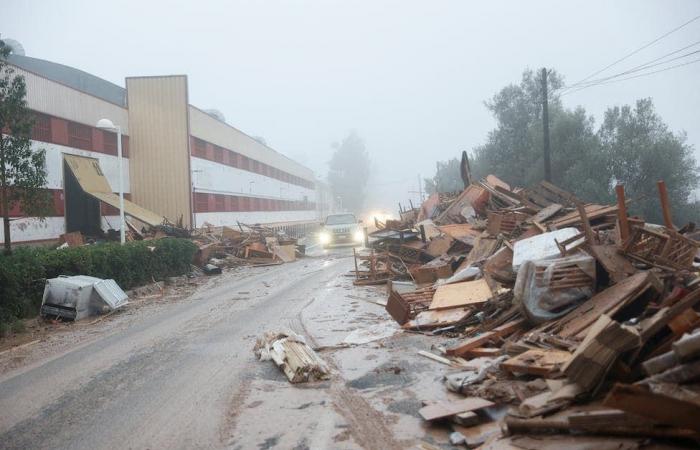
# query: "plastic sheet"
548,289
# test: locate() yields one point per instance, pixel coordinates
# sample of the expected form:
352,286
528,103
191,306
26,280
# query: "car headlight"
359,236
324,237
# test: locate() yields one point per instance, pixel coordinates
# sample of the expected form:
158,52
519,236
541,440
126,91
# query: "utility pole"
545,127
420,189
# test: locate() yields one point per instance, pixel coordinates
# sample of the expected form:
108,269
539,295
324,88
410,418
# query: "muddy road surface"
182,374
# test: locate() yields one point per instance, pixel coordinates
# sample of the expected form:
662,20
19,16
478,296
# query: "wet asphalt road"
171,379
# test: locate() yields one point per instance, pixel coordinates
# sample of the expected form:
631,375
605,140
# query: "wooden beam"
665,205
622,213
478,341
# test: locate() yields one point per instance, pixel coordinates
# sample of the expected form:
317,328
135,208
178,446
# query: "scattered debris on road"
251,245
572,319
292,355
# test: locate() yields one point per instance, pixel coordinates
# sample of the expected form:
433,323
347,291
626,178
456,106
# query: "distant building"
180,162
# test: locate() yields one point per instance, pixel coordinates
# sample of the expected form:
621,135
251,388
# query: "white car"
341,229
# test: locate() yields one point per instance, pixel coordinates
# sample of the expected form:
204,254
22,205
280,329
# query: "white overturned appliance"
75,297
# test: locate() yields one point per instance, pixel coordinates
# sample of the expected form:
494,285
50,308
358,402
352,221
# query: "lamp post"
106,124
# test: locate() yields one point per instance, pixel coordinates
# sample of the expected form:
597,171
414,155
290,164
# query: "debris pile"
219,247
255,245
292,355
564,318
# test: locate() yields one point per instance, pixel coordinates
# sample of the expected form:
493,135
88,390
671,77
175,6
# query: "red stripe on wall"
55,130
57,208
205,202
211,152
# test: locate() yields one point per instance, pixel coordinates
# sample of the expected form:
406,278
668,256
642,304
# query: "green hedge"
22,274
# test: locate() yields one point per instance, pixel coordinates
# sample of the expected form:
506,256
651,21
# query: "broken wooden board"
490,352
657,407
439,245
483,248
605,342
478,434
574,218
461,294
608,301
477,341
474,196
541,362
444,409
461,232
617,266
293,356
545,213
437,318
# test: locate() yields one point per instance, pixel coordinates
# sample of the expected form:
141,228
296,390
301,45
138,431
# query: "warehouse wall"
159,145
236,178
65,124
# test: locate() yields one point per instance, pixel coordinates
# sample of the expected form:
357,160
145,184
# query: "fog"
411,77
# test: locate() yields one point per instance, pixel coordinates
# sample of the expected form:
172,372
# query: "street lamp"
106,124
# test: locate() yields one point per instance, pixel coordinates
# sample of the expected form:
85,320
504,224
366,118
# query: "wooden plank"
461,294
617,266
435,357
441,410
605,341
592,211
605,302
545,213
541,362
484,351
478,434
652,325
657,407
477,341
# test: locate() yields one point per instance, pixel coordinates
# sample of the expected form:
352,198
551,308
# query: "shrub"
23,273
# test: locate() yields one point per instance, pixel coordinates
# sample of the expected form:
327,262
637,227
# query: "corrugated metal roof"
72,77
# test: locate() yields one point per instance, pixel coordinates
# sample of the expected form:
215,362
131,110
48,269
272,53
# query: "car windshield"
340,219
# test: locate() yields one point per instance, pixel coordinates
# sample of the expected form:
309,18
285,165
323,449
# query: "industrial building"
179,162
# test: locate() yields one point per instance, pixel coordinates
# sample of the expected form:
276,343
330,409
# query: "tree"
349,171
640,150
447,178
514,149
22,170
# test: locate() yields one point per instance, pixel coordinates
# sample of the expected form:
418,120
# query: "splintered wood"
563,300
293,356
440,410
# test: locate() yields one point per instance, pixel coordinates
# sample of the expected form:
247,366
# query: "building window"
110,142
79,136
200,148
42,128
234,203
245,203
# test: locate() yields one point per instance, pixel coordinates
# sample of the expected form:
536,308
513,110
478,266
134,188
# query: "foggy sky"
411,77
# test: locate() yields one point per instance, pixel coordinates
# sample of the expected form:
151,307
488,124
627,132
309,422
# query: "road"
183,375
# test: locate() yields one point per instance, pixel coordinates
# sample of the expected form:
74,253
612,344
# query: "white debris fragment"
292,355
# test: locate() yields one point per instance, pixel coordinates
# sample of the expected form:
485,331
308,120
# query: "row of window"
232,203
76,135
205,150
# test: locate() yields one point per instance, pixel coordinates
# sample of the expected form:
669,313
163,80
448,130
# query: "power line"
641,67
629,78
634,52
